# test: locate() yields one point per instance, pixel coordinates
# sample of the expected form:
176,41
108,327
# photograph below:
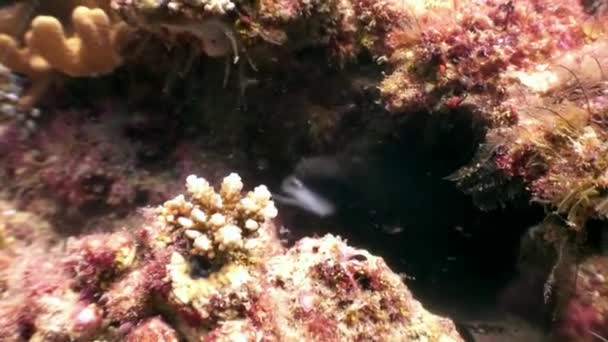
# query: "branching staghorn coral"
91,50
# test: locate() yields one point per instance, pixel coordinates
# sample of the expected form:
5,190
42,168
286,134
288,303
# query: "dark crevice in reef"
457,258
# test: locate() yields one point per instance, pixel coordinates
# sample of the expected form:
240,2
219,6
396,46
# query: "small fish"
368,185
299,195
356,187
318,186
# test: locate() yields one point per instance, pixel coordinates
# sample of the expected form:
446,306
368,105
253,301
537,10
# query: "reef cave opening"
455,257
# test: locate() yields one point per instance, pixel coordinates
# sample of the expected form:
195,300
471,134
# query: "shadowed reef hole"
457,258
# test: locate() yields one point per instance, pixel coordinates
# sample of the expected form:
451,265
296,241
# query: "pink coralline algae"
208,266
98,258
78,172
546,115
152,330
346,296
459,55
433,48
584,314
83,162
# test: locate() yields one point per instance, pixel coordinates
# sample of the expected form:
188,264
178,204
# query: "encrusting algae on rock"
584,314
208,266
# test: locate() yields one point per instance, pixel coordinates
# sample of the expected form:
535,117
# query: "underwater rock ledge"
204,266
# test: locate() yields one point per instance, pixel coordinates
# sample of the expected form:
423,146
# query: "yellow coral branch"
89,52
13,57
92,49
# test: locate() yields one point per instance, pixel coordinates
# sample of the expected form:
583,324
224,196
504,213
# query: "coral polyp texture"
205,266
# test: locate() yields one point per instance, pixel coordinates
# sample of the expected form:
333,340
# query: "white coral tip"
229,236
192,234
270,211
248,204
261,194
251,224
217,219
196,185
217,201
203,243
185,222
232,184
198,215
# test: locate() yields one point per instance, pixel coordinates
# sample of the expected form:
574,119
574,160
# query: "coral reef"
584,314
55,162
543,101
101,159
227,232
453,59
555,148
208,266
554,153
461,61
490,59
545,142
347,293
